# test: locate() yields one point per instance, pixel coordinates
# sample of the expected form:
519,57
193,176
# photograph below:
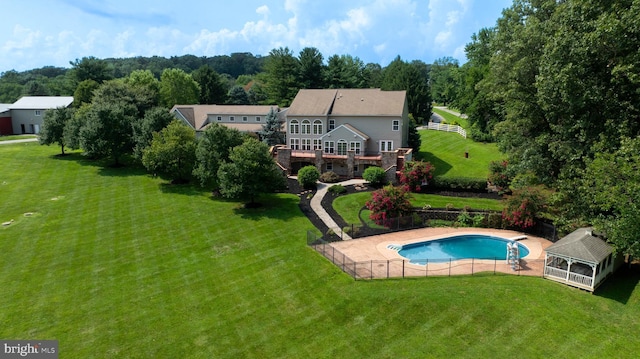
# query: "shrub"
499,175
388,203
416,174
460,183
524,206
337,189
308,176
464,219
494,220
478,221
375,176
329,177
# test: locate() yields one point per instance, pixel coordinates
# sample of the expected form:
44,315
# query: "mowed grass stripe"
191,276
446,151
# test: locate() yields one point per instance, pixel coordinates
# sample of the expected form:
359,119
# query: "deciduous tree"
54,122
251,171
172,152
178,88
213,150
387,204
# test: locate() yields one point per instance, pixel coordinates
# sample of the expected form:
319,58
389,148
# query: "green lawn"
115,263
348,206
446,151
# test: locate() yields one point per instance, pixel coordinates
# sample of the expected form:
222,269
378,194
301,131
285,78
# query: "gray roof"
348,102
581,244
197,115
41,102
4,107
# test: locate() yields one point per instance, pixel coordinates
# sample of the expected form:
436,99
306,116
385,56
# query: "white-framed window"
332,125
306,127
38,112
329,147
342,148
294,127
317,127
219,118
245,118
232,118
355,146
294,143
386,145
396,125
306,144
329,166
258,118
317,144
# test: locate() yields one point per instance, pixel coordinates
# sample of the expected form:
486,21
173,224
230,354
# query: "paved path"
316,206
8,142
446,109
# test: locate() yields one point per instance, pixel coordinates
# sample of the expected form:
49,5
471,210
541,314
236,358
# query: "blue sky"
36,33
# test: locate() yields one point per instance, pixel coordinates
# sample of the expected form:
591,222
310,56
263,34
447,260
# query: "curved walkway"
316,206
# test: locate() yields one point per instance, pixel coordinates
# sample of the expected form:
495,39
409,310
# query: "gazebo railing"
576,278
555,272
581,279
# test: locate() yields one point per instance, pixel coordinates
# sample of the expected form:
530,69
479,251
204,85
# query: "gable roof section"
4,107
581,244
347,126
197,115
348,102
312,102
41,102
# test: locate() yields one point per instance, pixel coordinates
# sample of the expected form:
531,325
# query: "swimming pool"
477,246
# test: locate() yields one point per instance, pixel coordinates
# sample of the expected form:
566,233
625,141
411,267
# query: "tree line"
556,85
240,78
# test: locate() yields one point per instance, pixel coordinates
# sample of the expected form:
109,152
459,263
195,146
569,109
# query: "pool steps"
394,247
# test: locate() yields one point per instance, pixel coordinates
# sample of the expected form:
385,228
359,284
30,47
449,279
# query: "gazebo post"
569,261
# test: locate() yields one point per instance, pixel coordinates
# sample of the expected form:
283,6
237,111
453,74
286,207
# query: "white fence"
449,128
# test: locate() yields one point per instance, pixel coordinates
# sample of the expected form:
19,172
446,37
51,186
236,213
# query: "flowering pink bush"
388,203
416,174
524,206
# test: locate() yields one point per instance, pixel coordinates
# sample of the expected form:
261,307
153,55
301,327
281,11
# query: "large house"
245,118
27,113
346,130
339,130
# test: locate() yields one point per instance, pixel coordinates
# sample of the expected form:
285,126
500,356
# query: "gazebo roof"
583,245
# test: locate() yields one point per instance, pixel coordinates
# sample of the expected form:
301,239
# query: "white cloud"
263,10
23,38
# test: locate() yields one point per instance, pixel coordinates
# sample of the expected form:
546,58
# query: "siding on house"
28,112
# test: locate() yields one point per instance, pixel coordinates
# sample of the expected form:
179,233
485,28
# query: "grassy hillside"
115,263
446,151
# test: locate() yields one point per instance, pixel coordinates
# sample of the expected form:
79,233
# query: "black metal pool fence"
402,268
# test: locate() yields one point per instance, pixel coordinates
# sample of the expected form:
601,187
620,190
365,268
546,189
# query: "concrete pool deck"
374,250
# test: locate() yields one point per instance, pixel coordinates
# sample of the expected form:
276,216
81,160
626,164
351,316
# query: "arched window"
294,127
317,127
306,127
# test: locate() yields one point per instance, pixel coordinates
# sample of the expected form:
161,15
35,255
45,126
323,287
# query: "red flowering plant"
387,204
524,206
416,174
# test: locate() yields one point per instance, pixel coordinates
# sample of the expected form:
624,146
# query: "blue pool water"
459,247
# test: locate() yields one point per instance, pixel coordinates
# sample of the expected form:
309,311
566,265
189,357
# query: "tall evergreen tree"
272,133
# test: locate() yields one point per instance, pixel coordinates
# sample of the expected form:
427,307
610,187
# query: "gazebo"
581,259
